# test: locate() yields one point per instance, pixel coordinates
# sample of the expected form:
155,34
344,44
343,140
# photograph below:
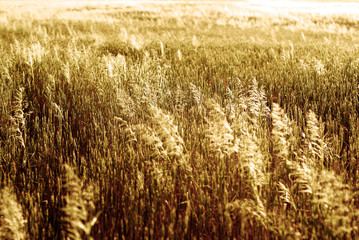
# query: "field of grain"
179,120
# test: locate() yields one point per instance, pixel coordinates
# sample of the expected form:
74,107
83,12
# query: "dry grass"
178,121
12,222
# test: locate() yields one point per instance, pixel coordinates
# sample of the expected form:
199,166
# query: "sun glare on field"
316,7
280,7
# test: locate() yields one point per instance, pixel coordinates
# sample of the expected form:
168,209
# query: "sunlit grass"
178,120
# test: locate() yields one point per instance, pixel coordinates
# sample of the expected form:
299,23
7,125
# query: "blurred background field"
179,120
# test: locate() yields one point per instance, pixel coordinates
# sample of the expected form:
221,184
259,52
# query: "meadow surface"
179,120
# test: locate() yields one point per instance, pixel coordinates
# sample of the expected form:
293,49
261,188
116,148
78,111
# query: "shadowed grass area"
180,121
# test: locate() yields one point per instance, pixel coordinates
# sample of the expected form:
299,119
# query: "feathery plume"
219,134
77,206
149,138
280,134
315,140
12,223
285,195
167,132
250,209
18,120
257,104
195,94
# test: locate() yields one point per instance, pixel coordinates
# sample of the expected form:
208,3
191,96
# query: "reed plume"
164,127
218,132
12,222
281,134
77,210
18,119
315,143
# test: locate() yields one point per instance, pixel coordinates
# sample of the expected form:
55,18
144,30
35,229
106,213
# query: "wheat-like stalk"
239,97
18,120
218,132
257,104
281,134
229,105
156,156
126,129
125,103
298,172
252,160
12,222
316,144
77,206
179,98
250,209
303,171
159,139
250,133
127,137
167,131
196,94
149,138
285,195
302,176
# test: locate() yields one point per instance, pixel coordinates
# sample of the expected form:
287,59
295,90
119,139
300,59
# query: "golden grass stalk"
229,105
196,94
12,222
18,120
248,124
77,206
218,132
315,140
168,132
281,133
149,138
127,136
179,99
286,196
257,103
249,116
302,176
251,134
125,103
250,209
252,160
155,156
126,130
162,124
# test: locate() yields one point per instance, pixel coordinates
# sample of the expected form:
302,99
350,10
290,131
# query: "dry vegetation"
179,121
